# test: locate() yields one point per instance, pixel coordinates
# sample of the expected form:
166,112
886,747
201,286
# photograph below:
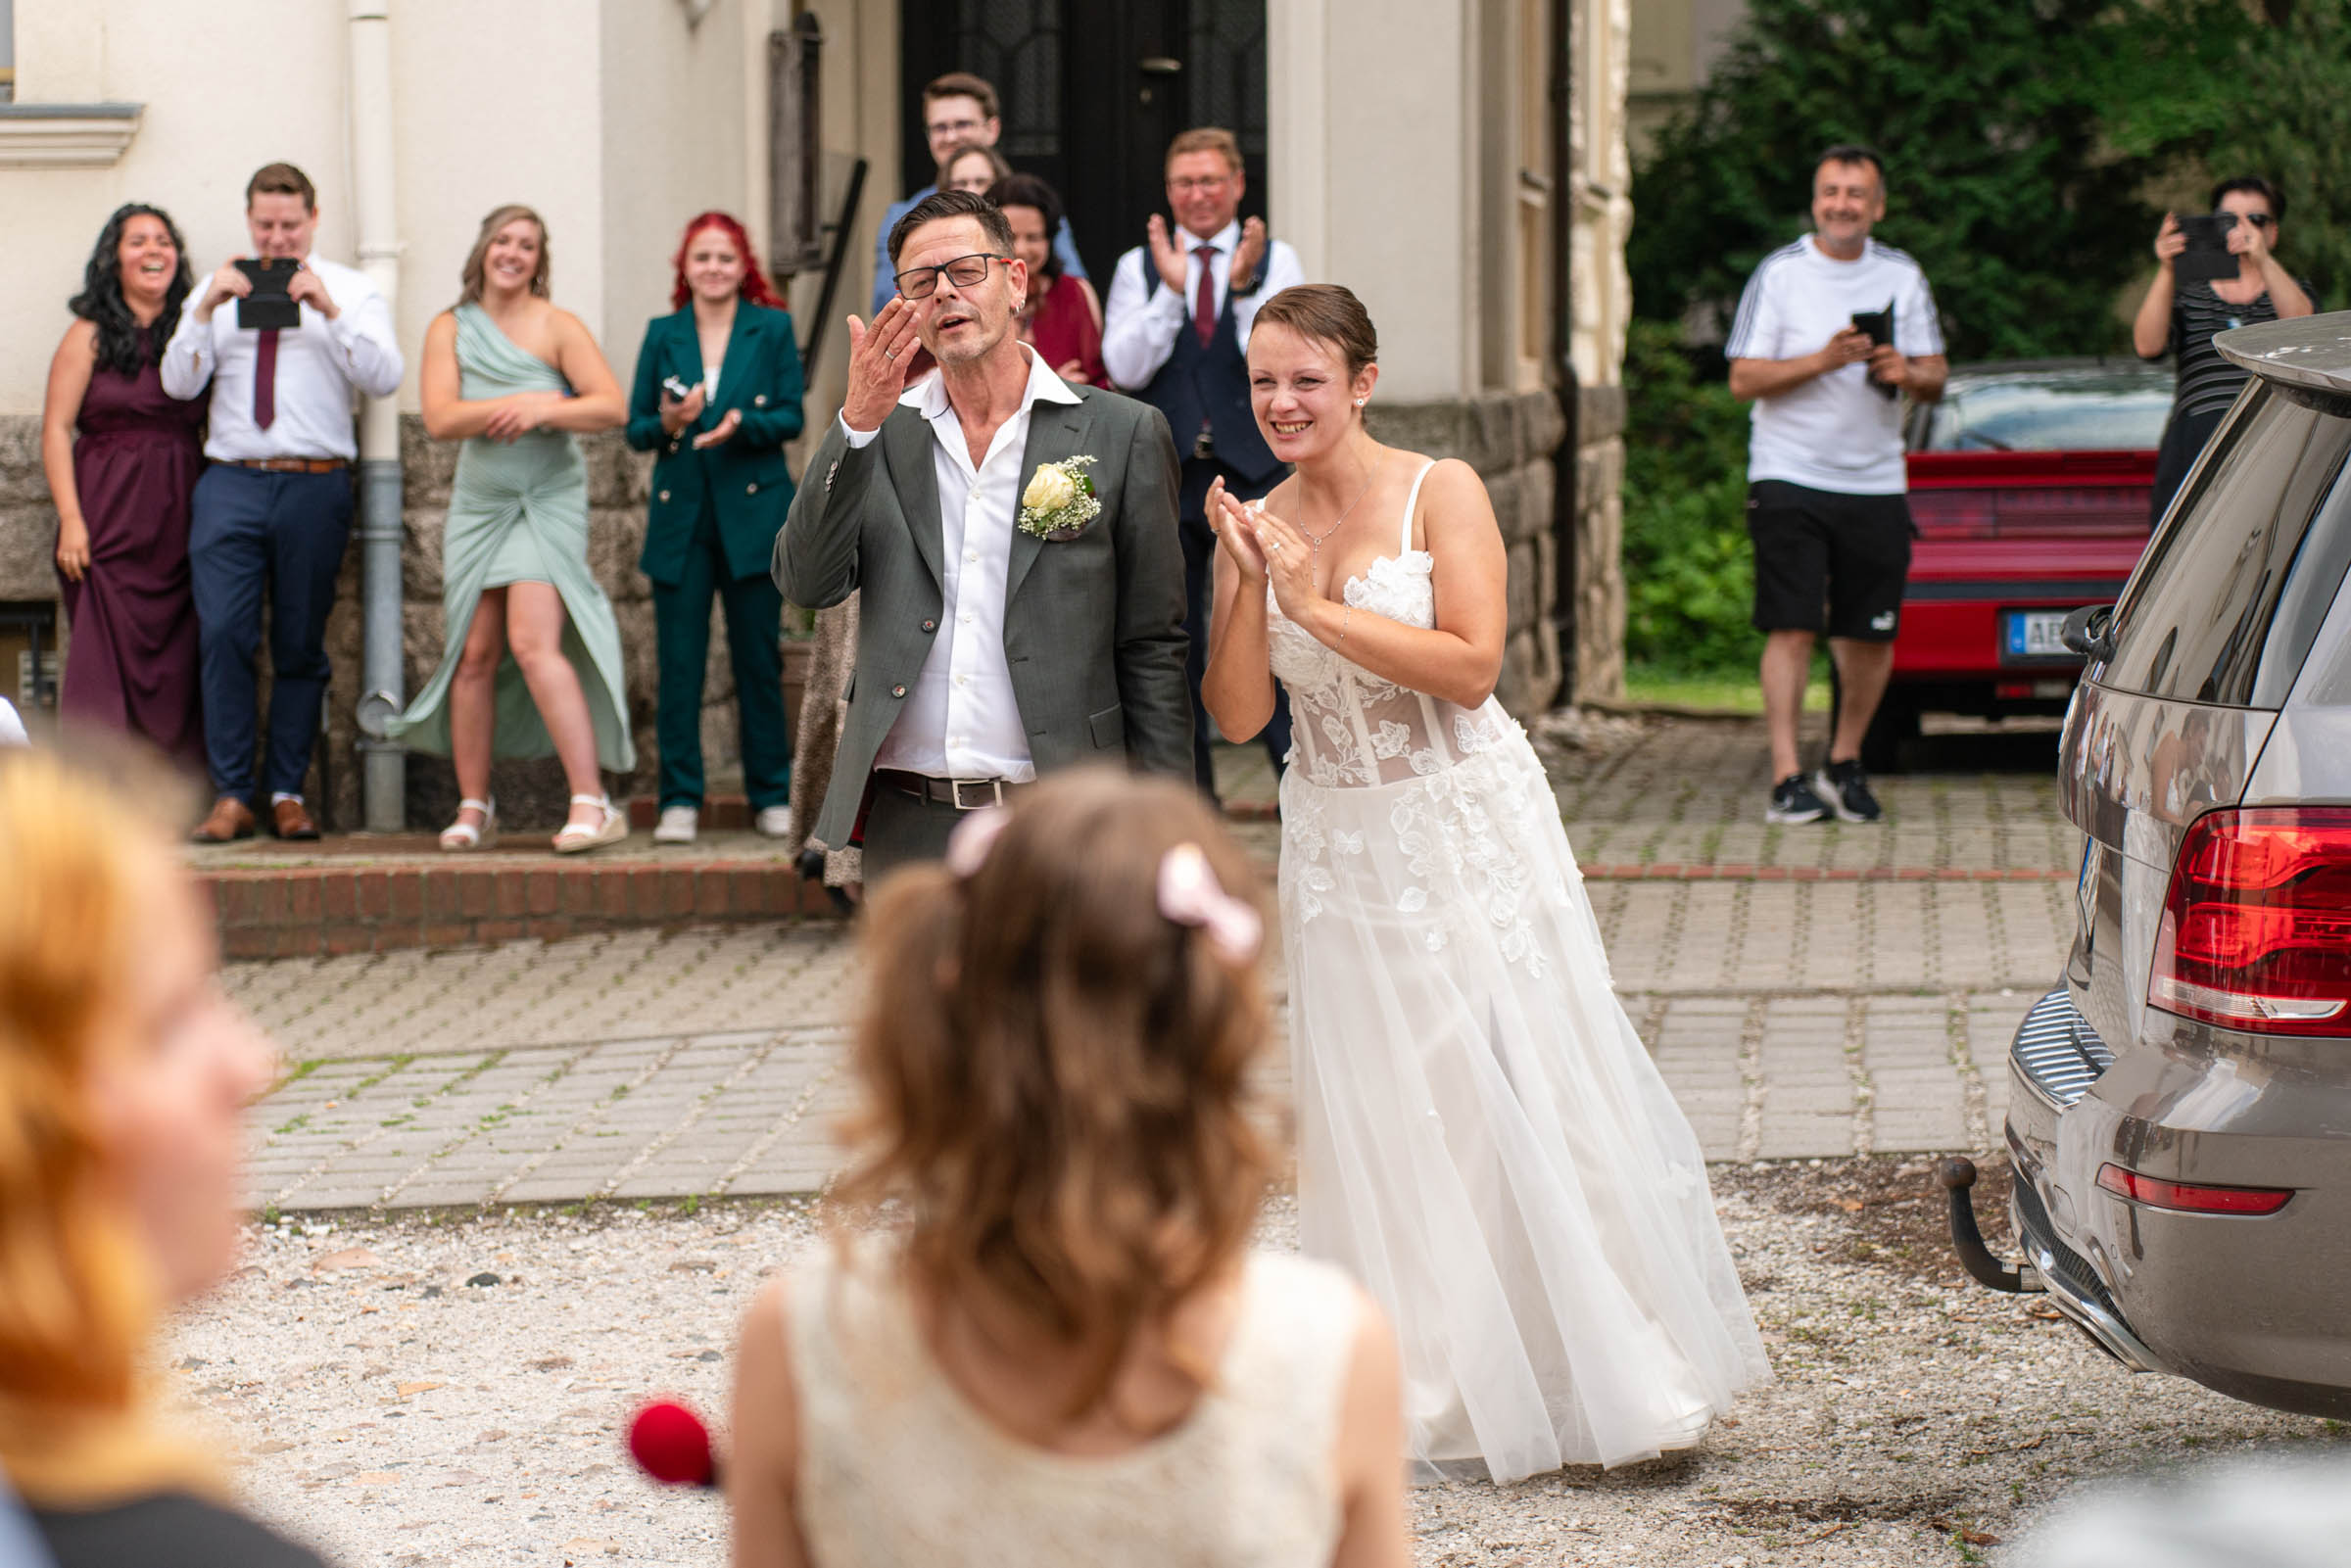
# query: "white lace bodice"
1349,727
898,1468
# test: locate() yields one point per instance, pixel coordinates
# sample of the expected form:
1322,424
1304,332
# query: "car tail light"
2157,1193
2256,930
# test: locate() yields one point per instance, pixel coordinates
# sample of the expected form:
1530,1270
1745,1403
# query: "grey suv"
2180,1121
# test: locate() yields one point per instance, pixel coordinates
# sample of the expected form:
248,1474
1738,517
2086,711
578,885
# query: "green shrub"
1688,575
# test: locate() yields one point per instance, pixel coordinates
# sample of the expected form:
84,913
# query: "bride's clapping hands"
1236,534
1289,564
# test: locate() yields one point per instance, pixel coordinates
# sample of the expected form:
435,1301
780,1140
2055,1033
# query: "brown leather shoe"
288,819
230,818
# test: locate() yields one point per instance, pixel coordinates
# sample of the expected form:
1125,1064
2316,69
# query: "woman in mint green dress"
531,662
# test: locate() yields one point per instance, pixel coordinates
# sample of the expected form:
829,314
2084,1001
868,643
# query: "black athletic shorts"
1828,562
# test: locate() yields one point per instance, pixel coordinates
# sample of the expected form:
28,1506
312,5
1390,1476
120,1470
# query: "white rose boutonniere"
1060,499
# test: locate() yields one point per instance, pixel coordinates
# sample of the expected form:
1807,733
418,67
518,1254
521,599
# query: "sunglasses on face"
2257,219
965,271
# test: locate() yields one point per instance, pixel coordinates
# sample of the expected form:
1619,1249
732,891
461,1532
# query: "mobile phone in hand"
269,304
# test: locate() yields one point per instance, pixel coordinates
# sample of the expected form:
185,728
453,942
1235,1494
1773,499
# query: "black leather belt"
964,794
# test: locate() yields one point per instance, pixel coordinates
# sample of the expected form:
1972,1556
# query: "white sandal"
459,837
577,837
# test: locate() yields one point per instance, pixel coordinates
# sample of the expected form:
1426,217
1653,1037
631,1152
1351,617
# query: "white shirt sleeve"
856,438
370,347
1282,271
1917,328
1755,329
11,728
188,366
1138,331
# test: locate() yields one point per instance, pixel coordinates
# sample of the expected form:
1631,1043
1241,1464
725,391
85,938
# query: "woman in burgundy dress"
1062,319
121,489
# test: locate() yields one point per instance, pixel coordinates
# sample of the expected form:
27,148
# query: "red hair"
756,287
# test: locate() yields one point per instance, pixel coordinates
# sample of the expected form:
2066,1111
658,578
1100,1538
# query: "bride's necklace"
1314,542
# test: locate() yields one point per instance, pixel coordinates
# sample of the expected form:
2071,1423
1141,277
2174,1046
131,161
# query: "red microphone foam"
671,1444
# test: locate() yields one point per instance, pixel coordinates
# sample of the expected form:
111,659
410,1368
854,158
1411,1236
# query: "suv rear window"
2193,624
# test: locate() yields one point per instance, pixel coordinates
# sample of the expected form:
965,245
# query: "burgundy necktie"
265,379
1204,303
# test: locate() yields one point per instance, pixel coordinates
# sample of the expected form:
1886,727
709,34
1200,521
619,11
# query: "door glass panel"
2194,622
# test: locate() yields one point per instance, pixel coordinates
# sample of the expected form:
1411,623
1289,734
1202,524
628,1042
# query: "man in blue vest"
1175,333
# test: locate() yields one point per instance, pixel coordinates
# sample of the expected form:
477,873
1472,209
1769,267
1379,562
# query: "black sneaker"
1845,789
1793,801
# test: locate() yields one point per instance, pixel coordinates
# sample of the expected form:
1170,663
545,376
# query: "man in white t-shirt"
1831,330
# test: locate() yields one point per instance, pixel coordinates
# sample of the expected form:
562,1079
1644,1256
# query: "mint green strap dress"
518,513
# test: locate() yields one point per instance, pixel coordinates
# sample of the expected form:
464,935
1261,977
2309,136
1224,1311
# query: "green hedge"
1689,577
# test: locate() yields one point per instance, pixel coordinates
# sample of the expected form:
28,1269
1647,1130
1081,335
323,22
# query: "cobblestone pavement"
1865,1011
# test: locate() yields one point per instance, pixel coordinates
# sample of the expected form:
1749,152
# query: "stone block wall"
1600,545
1513,441
530,795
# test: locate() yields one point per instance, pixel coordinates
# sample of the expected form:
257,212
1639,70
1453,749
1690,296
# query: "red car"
2029,487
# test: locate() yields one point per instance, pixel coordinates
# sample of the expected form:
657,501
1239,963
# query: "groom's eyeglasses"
965,272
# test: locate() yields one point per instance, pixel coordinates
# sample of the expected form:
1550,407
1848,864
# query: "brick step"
388,902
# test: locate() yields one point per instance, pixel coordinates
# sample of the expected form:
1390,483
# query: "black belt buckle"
1204,444
994,798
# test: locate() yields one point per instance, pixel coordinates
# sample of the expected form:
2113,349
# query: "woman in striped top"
2181,319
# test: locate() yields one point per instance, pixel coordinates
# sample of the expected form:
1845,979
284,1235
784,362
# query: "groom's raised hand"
878,357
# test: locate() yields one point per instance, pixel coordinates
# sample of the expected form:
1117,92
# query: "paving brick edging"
1642,873
310,910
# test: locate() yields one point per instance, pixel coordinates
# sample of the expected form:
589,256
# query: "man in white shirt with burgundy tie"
1175,333
272,511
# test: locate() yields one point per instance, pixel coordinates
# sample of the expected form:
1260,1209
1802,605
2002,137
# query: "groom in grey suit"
986,652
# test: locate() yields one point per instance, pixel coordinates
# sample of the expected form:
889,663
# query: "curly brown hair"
1055,1074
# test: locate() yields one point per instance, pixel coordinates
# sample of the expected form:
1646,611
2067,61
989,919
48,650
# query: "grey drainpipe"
384,768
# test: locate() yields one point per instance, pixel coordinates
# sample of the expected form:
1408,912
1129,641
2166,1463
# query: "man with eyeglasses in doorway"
959,111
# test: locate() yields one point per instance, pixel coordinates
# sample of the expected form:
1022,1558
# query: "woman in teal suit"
718,394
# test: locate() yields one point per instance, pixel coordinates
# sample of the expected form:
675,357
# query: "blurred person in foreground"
1042,1336
2261,1513
1061,316
2183,318
124,1070
122,457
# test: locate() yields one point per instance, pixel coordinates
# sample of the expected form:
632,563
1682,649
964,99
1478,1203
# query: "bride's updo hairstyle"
1054,1054
1329,313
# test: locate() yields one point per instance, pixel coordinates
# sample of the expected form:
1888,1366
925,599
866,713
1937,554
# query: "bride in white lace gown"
1482,1139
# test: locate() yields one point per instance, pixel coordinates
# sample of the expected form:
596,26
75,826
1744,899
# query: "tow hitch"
1958,1178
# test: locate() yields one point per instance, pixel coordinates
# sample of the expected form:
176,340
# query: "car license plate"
2035,634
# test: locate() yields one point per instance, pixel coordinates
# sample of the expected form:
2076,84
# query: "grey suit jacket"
1093,625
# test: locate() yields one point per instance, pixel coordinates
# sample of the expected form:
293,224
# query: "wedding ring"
889,353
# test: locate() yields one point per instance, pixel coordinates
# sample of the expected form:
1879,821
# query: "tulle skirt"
1482,1138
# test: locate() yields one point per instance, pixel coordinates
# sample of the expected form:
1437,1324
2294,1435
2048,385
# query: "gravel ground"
395,1413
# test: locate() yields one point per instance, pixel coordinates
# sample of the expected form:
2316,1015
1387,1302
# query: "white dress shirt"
960,720
1139,326
318,365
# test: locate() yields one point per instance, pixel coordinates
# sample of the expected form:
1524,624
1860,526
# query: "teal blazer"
745,476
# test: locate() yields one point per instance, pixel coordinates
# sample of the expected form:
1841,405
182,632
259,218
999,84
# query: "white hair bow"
1190,895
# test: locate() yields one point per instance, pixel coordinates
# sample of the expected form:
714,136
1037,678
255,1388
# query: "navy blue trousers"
1199,596
257,537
